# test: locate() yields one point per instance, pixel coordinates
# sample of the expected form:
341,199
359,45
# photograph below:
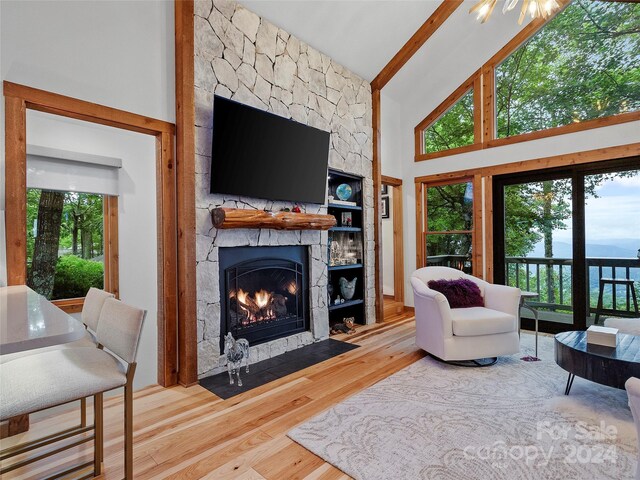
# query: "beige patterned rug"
509,421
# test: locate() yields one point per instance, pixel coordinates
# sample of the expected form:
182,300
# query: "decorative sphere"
344,191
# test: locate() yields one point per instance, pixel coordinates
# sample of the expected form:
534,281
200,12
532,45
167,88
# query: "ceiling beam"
428,28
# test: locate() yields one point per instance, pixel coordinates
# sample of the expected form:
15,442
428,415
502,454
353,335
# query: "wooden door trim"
19,98
398,236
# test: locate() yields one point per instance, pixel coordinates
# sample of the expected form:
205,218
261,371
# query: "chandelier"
536,8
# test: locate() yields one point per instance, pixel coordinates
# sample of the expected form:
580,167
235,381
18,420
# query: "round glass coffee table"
604,365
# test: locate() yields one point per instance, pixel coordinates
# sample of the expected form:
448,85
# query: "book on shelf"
343,202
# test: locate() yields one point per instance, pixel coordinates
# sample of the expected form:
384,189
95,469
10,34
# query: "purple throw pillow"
460,293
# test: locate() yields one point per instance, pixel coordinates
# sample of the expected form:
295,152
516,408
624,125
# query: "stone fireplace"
241,56
264,292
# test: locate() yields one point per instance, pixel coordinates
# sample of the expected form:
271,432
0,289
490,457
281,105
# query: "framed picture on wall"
385,189
385,207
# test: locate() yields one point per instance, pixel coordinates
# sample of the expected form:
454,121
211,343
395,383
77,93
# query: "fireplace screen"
265,299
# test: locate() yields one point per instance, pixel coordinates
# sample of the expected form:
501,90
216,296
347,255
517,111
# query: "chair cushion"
88,340
460,293
475,321
36,382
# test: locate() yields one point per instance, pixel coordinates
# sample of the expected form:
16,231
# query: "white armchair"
633,391
460,334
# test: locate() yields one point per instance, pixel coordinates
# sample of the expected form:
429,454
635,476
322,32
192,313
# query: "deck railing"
551,279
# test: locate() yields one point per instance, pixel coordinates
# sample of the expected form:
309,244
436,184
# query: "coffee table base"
567,389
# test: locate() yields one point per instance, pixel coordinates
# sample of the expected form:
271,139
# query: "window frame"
472,83
422,230
485,106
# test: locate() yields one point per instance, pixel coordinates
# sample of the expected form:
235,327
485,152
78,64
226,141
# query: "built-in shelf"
344,267
350,303
345,229
346,207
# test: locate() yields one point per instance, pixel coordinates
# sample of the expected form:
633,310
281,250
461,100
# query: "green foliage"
582,65
81,239
453,129
74,276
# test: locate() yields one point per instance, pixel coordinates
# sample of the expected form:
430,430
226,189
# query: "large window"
453,129
582,65
65,242
448,232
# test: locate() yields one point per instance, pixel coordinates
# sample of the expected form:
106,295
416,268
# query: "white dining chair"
37,382
91,308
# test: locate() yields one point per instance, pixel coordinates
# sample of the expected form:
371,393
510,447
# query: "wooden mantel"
244,218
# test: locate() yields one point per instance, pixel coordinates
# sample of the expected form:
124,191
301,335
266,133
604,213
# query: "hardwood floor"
189,433
392,309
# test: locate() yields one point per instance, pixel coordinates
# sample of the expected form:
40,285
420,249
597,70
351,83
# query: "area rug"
509,421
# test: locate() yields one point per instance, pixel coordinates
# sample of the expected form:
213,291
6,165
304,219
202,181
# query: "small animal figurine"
279,305
347,326
236,351
348,289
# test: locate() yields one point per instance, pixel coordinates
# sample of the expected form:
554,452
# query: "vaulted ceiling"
363,35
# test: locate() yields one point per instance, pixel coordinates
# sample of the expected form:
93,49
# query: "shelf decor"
346,265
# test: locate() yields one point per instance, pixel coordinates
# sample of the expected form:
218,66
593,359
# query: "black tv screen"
259,154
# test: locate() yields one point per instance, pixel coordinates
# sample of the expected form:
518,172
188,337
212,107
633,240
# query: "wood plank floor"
189,433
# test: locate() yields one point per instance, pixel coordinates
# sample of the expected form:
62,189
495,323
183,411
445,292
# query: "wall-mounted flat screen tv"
259,154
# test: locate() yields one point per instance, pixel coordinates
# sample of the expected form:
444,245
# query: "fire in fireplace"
265,291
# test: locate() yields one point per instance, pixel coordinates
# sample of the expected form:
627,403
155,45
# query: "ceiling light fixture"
536,8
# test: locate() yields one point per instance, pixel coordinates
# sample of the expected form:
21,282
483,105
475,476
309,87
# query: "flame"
263,298
247,302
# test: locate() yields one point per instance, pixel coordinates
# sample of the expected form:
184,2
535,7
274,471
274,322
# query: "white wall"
137,231
387,249
119,54
391,162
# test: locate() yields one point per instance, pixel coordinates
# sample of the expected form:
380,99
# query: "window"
66,243
582,65
448,233
453,129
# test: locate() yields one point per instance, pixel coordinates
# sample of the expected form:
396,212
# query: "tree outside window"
65,243
582,65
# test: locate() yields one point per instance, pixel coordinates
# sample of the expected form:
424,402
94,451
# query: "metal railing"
551,279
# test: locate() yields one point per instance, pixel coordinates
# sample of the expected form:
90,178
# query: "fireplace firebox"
264,292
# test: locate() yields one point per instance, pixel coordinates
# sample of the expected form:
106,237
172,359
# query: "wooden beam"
377,213
15,132
428,28
73,108
185,189
420,246
225,218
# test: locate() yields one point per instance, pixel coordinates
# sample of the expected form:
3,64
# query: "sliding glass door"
562,234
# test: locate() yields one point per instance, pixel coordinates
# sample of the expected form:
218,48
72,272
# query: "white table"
28,321
524,296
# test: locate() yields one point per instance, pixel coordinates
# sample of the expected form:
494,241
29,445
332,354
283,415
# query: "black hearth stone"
277,367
